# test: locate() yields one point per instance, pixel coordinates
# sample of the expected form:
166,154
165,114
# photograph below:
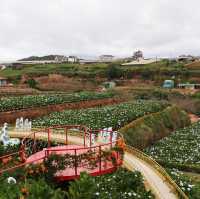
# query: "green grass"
99,69
45,69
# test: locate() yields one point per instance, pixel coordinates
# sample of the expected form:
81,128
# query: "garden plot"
17,103
181,147
114,116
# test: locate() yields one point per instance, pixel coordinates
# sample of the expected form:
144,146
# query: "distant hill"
43,58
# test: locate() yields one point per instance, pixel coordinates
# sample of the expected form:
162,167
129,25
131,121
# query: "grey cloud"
118,27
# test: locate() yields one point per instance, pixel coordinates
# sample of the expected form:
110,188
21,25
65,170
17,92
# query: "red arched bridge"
95,151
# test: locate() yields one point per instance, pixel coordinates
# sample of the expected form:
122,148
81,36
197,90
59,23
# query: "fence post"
111,133
66,139
34,143
90,138
75,162
100,158
84,135
48,131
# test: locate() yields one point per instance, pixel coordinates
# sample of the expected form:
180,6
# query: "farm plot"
16,103
186,183
180,149
102,117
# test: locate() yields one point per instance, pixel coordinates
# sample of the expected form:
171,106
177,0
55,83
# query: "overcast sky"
95,27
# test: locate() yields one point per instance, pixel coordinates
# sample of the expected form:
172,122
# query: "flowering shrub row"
189,186
123,184
29,182
16,103
179,149
102,117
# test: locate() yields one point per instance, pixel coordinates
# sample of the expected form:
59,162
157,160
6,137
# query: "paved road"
158,186
154,180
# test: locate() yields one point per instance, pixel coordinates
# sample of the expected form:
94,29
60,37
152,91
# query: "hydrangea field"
102,117
182,147
191,188
122,184
22,102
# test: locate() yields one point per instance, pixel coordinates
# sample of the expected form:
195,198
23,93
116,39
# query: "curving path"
155,181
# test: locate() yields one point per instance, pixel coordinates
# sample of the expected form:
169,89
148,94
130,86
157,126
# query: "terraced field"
16,103
101,117
181,149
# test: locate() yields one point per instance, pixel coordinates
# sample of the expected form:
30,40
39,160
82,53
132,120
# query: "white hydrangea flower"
11,180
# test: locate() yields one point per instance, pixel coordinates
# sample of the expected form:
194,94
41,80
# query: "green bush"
31,189
114,72
146,130
32,83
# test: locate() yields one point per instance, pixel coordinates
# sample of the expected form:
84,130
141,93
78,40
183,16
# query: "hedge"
150,128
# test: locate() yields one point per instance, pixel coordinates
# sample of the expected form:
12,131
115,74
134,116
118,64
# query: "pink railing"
29,146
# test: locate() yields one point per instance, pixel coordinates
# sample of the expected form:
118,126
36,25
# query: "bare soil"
31,113
61,83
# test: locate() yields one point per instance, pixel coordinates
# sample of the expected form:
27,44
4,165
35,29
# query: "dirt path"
159,187
156,183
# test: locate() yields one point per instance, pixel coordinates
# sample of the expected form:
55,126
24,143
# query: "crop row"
114,116
186,183
22,102
181,147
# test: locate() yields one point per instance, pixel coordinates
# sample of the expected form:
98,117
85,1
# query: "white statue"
21,123
26,125
11,180
106,134
29,126
114,137
5,138
17,125
4,134
92,139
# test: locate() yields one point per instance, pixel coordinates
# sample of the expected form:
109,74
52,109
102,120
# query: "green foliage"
32,83
30,189
146,130
122,184
84,188
4,150
114,72
15,103
115,116
153,95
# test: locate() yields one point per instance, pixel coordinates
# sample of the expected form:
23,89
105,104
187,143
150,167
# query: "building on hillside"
3,81
138,55
73,59
17,65
186,58
106,58
141,61
60,59
2,67
88,61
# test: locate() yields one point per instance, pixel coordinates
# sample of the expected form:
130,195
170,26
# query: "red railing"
29,146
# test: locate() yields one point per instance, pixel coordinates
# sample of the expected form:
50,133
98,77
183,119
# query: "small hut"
3,81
